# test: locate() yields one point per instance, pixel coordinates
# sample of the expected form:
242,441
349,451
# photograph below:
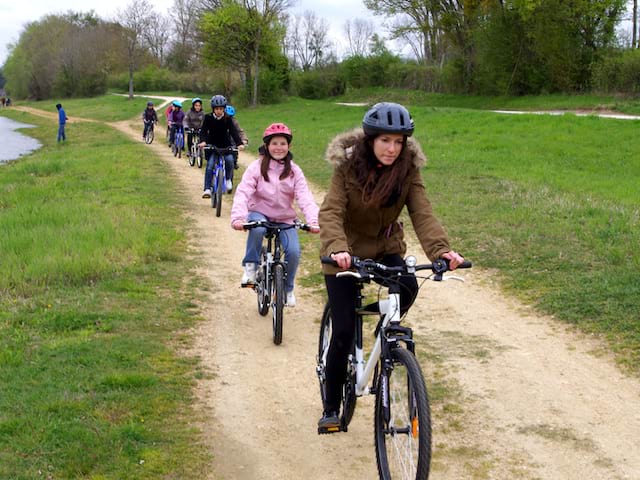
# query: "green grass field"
92,312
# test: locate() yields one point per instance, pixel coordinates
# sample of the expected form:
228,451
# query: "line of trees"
257,50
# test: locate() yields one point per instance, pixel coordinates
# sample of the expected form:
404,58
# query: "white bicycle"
402,415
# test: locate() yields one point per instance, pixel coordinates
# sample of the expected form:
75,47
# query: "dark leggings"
342,293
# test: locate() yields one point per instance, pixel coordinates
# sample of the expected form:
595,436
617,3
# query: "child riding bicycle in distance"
245,140
218,130
149,117
193,119
176,117
267,191
376,174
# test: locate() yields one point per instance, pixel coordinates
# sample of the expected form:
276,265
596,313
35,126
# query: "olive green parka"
348,225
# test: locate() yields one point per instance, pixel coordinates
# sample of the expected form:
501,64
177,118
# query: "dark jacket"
150,115
348,225
219,132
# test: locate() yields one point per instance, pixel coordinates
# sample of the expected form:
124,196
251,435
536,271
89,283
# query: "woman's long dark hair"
381,184
266,158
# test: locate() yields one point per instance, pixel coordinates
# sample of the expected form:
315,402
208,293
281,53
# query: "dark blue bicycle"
218,183
178,142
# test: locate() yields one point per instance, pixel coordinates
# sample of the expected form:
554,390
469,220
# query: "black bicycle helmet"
387,117
149,104
218,101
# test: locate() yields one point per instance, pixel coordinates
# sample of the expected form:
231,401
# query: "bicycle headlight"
411,261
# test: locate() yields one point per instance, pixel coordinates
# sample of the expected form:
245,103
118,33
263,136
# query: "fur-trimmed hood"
340,148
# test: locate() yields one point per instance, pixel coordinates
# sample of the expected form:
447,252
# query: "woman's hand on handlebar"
314,228
343,259
241,147
237,225
202,144
454,258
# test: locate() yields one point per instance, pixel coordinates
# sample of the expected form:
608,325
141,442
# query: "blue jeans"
61,135
211,164
290,246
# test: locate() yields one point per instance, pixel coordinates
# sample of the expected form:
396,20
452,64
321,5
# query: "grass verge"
92,313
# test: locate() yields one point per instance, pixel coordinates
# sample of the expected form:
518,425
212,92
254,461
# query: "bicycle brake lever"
453,277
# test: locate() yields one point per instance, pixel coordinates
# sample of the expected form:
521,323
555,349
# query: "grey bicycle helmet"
218,101
387,117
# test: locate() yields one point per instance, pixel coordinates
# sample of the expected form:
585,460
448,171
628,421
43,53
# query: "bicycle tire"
402,419
219,191
174,149
199,159
192,155
148,138
261,285
278,302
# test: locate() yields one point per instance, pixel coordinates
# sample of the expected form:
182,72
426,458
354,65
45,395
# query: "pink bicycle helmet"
277,129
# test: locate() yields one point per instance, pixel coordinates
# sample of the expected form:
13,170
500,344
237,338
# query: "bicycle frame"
390,310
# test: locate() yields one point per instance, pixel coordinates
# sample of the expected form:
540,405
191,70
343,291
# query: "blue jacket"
62,117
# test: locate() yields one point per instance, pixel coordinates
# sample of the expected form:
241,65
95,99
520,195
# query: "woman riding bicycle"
268,189
218,130
376,174
193,120
176,117
149,117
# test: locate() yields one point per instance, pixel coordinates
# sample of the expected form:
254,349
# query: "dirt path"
525,398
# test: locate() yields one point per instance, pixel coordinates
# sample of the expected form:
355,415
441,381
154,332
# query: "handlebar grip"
328,261
465,264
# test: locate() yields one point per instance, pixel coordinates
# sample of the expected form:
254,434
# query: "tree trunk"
131,81
635,43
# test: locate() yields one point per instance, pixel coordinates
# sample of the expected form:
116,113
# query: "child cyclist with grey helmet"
149,117
218,130
376,174
268,189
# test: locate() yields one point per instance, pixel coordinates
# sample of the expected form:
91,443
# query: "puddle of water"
15,144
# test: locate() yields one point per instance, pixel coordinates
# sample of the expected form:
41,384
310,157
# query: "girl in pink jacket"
267,191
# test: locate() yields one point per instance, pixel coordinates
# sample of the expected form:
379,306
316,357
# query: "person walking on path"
62,121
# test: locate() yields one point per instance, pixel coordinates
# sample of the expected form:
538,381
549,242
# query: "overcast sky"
15,14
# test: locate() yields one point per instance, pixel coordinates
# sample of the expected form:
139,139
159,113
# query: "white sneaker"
206,193
291,299
249,275
229,185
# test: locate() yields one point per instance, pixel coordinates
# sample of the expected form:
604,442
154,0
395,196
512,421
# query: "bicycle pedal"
328,430
248,285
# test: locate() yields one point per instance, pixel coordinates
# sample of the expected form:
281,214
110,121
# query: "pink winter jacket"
274,199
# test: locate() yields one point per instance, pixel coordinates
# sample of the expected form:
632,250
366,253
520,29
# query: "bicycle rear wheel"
219,189
402,419
278,302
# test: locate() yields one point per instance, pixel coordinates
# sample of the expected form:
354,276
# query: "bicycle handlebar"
367,267
276,226
220,150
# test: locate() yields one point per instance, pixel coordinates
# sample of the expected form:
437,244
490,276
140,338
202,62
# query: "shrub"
618,72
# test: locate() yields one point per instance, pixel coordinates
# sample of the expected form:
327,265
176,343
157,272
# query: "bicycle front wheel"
219,188
261,287
278,302
149,136
193,152
402,419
